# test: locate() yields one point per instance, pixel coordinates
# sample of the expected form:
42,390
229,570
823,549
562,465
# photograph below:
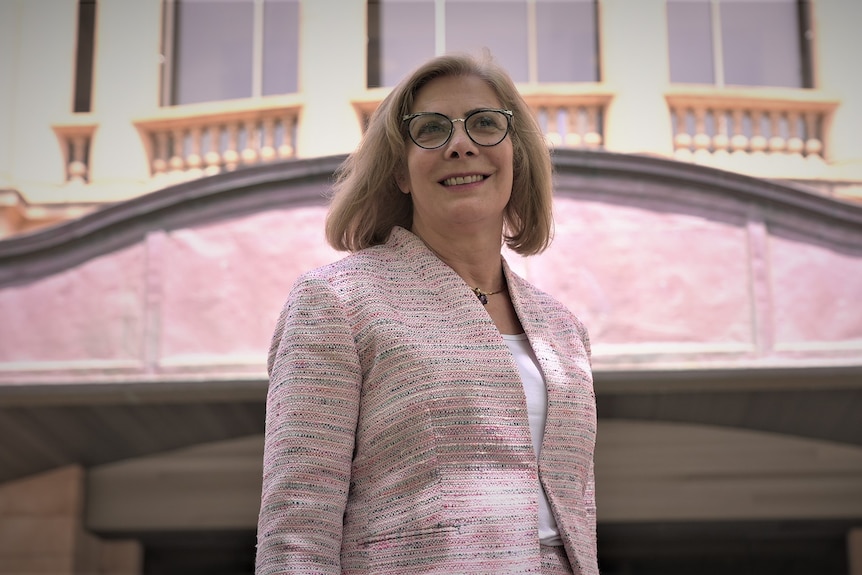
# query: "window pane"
690,41
566,34
500,26
84,55
761,43
212,50
280,46
404,39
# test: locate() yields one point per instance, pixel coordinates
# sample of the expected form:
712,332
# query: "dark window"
739,42
227,50
84,55
535,40
501,27
400,36
280,47
568,41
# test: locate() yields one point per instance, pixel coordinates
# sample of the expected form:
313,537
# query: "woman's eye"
489,121
431,128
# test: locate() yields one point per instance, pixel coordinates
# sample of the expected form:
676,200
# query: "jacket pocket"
405,537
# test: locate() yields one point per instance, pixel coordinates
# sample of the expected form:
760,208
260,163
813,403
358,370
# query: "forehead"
455,95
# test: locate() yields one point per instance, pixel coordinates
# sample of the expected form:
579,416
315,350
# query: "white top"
537,412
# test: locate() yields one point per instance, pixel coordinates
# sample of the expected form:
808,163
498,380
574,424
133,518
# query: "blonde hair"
366,202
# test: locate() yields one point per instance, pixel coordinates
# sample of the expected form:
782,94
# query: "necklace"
483,295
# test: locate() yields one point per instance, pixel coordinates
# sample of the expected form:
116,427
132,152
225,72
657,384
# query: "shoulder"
386,263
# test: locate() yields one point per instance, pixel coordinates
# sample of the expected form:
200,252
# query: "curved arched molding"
291,183
648,182
666,185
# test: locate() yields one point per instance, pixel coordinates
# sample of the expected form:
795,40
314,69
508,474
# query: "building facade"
163,171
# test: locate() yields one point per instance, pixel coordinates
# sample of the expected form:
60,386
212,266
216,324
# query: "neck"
476,259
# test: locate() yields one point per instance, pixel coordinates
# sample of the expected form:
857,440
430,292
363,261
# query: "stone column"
37,47
837,45
634,57
125,87
332,71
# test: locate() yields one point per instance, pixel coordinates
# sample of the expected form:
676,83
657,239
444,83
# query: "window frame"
168,78
804,34
374,75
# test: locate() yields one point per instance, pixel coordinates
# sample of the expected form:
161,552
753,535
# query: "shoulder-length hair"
366,202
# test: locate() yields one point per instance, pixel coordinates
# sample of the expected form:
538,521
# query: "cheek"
509,161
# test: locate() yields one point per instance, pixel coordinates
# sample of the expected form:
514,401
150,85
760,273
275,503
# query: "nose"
460,143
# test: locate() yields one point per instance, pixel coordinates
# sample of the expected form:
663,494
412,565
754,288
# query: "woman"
429,411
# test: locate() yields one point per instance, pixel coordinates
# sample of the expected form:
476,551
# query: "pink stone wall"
636,276
92,312
657,288
196,300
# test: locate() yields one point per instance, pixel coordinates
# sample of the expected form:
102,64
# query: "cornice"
289,183
625,178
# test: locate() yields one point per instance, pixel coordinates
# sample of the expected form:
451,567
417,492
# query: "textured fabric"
554,561
397,438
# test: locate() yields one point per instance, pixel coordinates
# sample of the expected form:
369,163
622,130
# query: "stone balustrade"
729,128
782,123
75,139
201,140
570,119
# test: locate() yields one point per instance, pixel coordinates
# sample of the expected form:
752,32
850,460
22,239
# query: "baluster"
231,155
813,144
777,143
574,134
267,151
552,131
721,139
739,141
160,153
249,153
701,139
77,168
795,144
758,141
592,135
177,162
213,157
194,161
682,139
285,150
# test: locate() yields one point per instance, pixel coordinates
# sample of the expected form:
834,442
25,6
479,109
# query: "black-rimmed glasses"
486,127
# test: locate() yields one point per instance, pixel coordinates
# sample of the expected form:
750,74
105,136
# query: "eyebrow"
467,113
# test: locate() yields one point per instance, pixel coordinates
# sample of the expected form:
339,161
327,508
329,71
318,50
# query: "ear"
403,182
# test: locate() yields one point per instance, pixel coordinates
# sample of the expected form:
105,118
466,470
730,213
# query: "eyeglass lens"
485,127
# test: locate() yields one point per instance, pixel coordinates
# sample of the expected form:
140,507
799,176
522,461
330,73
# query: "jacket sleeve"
311,413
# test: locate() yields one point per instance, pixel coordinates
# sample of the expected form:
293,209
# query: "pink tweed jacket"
397,439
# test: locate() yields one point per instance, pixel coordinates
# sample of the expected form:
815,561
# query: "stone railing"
75,140
571,116
201,140
782,123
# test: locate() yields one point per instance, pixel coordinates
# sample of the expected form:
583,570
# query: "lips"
459,180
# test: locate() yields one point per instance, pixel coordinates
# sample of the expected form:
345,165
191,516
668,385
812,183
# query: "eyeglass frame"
509,114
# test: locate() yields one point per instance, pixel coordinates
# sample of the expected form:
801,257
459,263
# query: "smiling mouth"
459,180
